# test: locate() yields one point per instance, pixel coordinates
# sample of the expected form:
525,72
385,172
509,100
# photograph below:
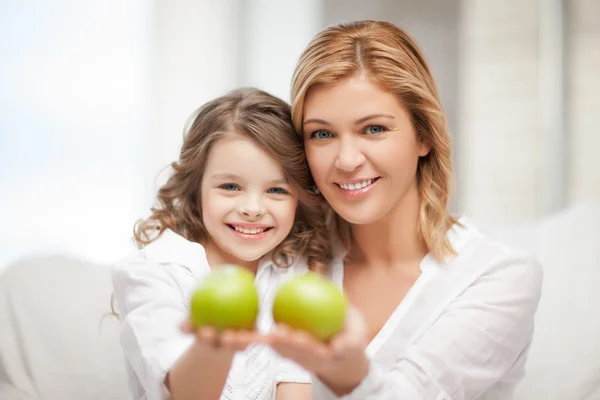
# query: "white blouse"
152,291
462,331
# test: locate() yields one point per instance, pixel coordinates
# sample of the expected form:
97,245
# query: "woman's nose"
349,157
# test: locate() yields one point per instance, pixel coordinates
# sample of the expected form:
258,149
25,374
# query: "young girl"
238,195
441,312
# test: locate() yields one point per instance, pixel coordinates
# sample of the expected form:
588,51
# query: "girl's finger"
208,336
186,326
239,340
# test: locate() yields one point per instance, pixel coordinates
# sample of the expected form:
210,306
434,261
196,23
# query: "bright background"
94,96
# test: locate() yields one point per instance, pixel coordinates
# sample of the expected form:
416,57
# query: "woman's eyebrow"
356,122
372,116
316,120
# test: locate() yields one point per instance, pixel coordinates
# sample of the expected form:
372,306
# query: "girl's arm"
200,373
294,382
294,391
152,308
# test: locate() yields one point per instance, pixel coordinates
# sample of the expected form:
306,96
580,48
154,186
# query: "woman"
439,311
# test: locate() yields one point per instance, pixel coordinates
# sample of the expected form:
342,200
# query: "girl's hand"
341,364
226,342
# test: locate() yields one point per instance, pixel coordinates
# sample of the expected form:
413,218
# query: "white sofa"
564,361
57,341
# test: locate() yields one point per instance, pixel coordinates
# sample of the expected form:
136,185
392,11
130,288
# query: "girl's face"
361,148
247,205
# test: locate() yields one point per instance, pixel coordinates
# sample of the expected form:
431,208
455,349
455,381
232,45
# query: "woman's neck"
394,239
217,257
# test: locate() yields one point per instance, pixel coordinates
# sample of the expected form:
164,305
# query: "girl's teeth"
249,231
357,185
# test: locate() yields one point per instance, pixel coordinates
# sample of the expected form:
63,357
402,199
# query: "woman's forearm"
343,381
200,373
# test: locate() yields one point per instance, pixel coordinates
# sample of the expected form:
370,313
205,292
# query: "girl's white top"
152,290
462,331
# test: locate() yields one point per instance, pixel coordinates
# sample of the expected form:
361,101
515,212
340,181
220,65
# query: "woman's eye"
277,190
229,186
374,129
320,134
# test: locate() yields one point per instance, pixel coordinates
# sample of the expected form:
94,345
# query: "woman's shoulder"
487,258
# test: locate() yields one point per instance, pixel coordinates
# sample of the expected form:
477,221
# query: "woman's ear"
423,149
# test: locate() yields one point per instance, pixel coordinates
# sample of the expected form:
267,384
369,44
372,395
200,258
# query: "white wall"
74,88
499,153
273,34
529,121
583,66
195,60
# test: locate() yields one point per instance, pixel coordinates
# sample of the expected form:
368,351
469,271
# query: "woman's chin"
358,216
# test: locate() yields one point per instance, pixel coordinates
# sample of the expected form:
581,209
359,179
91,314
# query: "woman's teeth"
356,185
249,231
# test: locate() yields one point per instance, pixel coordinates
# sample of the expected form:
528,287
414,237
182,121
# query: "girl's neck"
217,257
394,239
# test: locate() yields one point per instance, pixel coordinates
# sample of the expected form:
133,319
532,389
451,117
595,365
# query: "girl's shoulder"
168,251
297,266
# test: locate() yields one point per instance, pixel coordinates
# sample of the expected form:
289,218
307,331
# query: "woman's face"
361,148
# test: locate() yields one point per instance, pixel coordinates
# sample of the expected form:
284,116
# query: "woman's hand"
341,364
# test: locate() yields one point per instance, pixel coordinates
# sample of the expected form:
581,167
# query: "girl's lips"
249,225
251,236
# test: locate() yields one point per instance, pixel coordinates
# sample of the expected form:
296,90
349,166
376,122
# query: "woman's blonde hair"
266,120
390,57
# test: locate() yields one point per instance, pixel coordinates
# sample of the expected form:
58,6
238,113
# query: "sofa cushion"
56,339
564,361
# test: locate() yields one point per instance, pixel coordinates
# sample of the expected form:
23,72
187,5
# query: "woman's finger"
298,344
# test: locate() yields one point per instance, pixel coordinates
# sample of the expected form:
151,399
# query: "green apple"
225,299
311,303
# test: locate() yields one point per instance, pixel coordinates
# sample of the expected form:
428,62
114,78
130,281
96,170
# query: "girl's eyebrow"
226,177
279,181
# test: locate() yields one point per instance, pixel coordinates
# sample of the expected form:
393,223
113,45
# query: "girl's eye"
277,190
229,186
374,129
320,134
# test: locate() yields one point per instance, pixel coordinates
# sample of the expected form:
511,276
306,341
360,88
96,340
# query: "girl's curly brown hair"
267,121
